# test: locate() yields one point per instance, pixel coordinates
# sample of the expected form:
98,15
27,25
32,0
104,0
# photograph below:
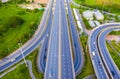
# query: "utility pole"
20,44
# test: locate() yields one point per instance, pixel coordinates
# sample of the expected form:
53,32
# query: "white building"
79,25
88,15
91,23
97,23
98,15
75,13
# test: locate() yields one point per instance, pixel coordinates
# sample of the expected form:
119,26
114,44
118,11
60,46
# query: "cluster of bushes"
115,33
12,22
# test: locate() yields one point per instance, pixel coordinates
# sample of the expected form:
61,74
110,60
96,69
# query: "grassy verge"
114,55
115,33
87,24
21,72
88,68
11,36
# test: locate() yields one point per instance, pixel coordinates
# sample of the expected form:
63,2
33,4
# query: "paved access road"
98,57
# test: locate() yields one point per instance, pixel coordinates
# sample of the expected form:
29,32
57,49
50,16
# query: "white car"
13,59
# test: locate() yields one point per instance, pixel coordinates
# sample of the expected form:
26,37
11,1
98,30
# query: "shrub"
32,25
14,21
36,10
28,10
21,12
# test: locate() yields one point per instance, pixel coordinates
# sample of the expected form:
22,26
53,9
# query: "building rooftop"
98,15
88,14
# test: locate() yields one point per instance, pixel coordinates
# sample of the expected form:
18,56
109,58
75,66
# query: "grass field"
9,40
109,5
100,2
115,33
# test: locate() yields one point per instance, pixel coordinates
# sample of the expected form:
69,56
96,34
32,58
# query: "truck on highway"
13,59
53,9
93,53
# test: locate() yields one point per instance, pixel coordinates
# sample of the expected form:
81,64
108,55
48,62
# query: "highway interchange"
57,34
102,62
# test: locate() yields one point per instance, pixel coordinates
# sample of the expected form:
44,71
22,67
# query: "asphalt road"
51,70
59,63
67,60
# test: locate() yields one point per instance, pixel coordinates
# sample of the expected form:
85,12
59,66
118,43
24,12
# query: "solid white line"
59,53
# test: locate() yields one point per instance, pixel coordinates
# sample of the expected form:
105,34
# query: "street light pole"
22,53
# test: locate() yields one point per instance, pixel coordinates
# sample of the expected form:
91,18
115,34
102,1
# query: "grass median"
88,68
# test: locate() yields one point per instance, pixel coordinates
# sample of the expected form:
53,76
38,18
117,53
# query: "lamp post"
22,53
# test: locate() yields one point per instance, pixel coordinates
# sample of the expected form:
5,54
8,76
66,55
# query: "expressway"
99,63
30,46
51,69
59,64
78,55
67,60
78,63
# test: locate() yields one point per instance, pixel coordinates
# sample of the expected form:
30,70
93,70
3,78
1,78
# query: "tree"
36,10
0,3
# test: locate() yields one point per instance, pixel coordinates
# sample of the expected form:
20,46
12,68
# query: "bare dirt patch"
113,37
